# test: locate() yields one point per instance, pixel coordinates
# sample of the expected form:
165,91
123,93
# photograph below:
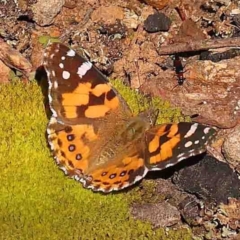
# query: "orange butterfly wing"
95,138
169,144
77,90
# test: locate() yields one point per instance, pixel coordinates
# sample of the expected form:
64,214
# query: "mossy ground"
36,200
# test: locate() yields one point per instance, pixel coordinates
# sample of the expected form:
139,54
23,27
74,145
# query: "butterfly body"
93,134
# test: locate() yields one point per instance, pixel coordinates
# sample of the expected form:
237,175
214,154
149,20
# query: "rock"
157,4
131,20
210,179
14,59
113,29
44,11
231,148
189,30
218,56
222,221
210,89
157,22
137,62
107,15
229,214
236,19
4,72
159,214
188,205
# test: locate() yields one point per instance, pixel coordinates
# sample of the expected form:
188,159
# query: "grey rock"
44,11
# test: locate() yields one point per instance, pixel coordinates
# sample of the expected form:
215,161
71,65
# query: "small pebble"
157,22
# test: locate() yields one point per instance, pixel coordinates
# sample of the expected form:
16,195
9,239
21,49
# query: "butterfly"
94,136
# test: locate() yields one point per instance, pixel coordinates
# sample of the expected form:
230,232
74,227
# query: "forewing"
77,90
169,144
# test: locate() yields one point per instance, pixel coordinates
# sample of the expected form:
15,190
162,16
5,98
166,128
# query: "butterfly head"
150,116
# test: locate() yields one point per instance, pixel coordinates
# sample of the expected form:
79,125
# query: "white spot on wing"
50,99
71,53
83,181
61,65
192,151
188,144
48,73
55,84
206,130
141,176
84,68
76,177
182,158
64,170
66,75
53,73
157,168
49,132
54,114
196,142
191,130
180,155
63,58
49,85
169,165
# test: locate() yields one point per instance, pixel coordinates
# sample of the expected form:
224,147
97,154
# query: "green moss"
45,39
139,103
144,193
13,76
37,200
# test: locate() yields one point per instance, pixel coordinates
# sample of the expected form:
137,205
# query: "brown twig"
199,45
13,59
